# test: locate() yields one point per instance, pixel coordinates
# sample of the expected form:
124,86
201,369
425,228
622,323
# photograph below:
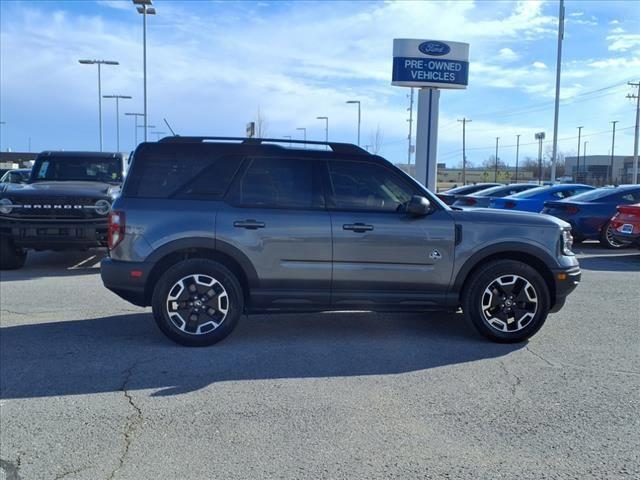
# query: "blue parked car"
590,213
533,200
483,197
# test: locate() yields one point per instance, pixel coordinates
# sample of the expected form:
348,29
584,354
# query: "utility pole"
495,173
634,178
410,120
578,158
517,154
557,101
613,147
464,149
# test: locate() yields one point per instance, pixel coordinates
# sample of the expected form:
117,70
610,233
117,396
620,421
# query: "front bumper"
566,280
47,234
117,276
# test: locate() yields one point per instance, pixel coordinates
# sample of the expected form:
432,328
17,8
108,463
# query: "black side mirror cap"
418,206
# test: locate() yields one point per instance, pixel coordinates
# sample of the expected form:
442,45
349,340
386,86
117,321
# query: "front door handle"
248,224
357,227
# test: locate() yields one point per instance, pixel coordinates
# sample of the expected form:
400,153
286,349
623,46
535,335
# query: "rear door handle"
248,224
357,227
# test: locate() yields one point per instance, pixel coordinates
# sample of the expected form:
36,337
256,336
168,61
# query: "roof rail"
335,146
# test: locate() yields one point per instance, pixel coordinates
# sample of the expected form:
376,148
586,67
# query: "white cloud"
614,22
576,14
621,42
117,4
507,54
539,65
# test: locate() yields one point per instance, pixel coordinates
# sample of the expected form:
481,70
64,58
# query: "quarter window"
365,186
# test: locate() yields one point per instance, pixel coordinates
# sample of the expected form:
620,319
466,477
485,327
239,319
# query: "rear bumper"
55,235
627,238
566,281
117,277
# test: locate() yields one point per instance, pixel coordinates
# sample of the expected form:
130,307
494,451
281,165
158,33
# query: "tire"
197,318
11,257
522,312
607,240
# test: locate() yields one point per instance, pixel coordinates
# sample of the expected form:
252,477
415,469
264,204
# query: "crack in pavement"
70,472
579,367
514,386
535,354
133,420
11,470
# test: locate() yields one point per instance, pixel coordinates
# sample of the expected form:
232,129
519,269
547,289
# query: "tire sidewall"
605,241
472,304
204,267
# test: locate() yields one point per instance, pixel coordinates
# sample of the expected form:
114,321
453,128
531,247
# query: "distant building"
473,175
594,169
9,160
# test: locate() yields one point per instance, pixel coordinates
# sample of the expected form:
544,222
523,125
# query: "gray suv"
208,228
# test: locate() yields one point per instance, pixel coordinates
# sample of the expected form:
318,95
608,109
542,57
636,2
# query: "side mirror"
418,206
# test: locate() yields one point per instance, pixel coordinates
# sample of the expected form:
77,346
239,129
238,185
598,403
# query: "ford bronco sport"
63,206
208,228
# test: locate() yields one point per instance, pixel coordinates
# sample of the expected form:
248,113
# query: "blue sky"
211,65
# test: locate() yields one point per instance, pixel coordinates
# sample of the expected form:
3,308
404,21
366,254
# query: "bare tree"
262,124
375,140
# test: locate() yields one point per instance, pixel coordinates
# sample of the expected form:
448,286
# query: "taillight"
572,209
510,204
115,229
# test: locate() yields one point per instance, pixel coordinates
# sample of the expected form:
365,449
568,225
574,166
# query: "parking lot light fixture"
304,131
135,115
118,97
359,118
144,8
99,63
326,129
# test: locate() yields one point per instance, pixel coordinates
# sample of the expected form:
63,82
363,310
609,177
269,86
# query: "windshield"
530,193
78,169
593,194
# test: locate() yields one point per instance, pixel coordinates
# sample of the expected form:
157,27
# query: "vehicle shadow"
56,264
127,352
617,261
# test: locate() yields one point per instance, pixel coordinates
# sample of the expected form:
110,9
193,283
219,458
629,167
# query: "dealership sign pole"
430,65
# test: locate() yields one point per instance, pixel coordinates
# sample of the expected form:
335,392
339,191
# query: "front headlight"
567,242
102,207
6,206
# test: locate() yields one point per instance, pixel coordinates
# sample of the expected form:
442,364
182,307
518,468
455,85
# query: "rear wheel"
506,301
11,257
197,302
607,240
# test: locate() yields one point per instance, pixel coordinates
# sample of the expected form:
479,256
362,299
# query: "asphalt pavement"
90,389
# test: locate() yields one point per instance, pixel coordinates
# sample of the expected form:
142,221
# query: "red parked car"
626,224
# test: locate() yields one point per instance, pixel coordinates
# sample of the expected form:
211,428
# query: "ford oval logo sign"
434,48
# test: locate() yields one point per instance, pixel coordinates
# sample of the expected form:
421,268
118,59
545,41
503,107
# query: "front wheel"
507,301
607,240
197,302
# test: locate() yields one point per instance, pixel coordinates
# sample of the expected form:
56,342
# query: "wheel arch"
527,254
222,252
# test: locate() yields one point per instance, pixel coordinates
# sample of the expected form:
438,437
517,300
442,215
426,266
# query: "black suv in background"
209,228
63,206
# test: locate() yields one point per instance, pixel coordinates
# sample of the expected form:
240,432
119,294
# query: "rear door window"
278,183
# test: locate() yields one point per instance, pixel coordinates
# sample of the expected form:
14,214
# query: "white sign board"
430,63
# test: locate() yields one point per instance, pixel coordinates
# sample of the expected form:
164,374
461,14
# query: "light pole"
613,147
304,131
540,137
495,173
578,158
135,115
118,97
557,99
358,102
3,123
326,130
517,154
158,135
464,121
584,154
144,8
99,63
